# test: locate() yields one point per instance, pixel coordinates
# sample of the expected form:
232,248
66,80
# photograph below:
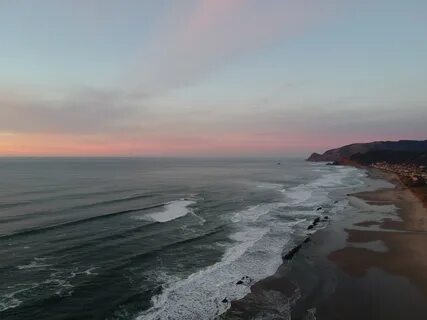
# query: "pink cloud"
213,32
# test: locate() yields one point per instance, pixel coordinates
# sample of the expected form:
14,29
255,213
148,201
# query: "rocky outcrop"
292,252
316,157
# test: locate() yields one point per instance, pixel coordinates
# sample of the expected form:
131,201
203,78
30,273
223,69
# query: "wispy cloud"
192,41
184,43
212,33
81,112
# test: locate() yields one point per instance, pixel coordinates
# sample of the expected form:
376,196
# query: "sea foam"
262,233
171,211
208,292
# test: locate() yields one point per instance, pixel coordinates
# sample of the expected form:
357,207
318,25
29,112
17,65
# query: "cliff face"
345,153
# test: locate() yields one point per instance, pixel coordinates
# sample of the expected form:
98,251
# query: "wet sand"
370,265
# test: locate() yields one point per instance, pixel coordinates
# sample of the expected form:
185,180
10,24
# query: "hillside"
345,154
392,157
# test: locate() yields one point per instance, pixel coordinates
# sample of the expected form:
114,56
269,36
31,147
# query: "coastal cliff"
407,159
349,154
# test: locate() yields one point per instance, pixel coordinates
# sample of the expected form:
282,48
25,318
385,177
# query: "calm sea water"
151,238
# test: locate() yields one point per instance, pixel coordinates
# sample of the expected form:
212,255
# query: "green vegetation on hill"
392,157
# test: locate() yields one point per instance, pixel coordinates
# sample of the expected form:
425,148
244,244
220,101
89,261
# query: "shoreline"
368,265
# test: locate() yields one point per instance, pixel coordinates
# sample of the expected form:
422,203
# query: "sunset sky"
209,77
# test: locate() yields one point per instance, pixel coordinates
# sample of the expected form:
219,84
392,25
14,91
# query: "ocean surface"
89,238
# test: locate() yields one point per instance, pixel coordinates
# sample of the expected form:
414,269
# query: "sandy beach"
369,265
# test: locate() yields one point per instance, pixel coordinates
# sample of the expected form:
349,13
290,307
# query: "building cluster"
414,173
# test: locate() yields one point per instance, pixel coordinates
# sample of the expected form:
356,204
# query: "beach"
226,239
369,264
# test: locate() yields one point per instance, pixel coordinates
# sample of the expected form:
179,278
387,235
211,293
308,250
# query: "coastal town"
414,174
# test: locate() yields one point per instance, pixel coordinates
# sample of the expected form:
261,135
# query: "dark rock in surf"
315,222
246,280
225,300
292,252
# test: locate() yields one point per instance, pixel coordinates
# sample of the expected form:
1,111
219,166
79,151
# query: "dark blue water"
89,238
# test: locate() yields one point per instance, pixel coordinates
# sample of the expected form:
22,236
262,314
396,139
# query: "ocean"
147,238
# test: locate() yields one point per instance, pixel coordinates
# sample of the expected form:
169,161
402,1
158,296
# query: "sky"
209,77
